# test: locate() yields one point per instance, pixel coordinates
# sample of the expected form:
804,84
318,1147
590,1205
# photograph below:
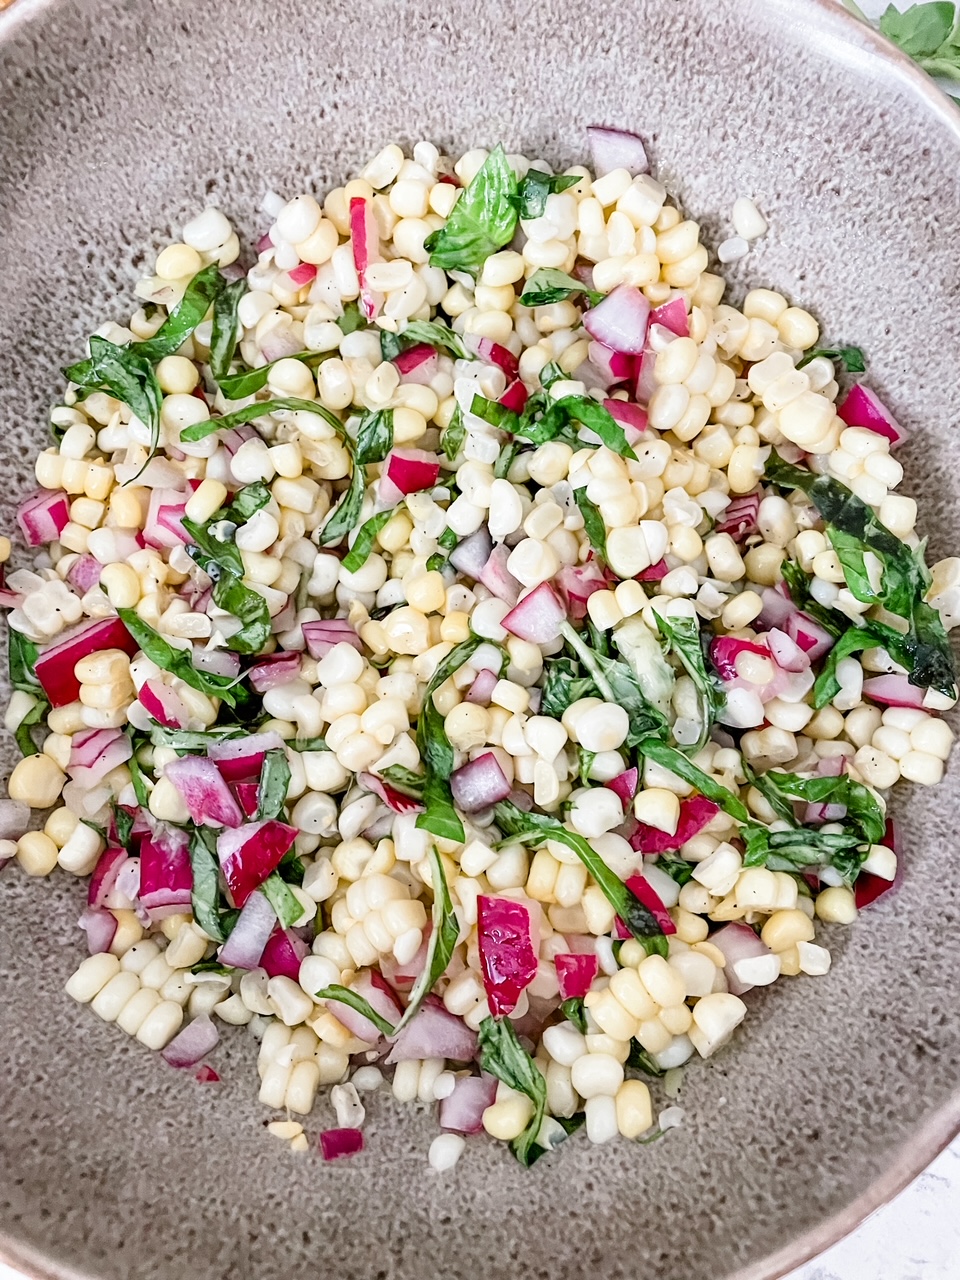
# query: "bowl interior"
119,117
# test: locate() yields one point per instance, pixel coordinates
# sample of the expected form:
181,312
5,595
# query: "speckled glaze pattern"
119,116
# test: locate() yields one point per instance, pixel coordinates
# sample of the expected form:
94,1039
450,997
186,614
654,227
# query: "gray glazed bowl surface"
117,117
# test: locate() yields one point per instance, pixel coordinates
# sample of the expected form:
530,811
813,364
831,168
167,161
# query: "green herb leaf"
356,558
535,828
589,414
592,522
436,335
448,540
674,760
440,817
205,894
615,681
443,941
921,30
852,358
123,822
193,739
358,1004
274,783
863,806
198,297
533,190
308,744
563,685
374,442
281,897
585,764
126,374
250,412
233,595
22,657
548,285
24,730
352,318
179,663
573,1011
640,1060
137,780
375,436
551,373
685,641
505,460
247,382
226,329
403,780
482,221
503,1056
453,435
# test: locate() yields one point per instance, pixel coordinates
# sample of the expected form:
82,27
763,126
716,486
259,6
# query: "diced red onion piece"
248,797
397,801
620,320
462,1111
241,759
515,397
814,640
479,784
787,654
204,791
418,364
55,665
482,687
322,634
631,417
577,584
191,1044
616,149
96,753
655,573
100,926
411,470
432,1032
274,670
256,922
105,875
614,366
673,316
162,702
43,516
472,553
497,578
738,942
303,274
538,616
575,973
166,877
493,353
893,691
740,517
207,1075
84,573
366,251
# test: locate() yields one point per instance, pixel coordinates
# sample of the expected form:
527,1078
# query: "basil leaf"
309,744
436,335
863,805
443,941
356,558
683,635
200,430
482,221
224,552
585,764
391,345
921,30
551,373
374,436
233,595
126,374
358,1004
503,1056
505,460
198,297
352,318
563,685
548,285
226,330
535,828
192,739
137,780
640,1060
798,585
281,897
123,823
24,730
245,503
439,817
589,414
403,780
573,1011
852,358
533,190
616,682
674,760
247,382
205,894
448,540
22,657
342,520
273,786
453,435
592,522
179,663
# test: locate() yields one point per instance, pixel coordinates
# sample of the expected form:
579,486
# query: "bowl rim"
943,1126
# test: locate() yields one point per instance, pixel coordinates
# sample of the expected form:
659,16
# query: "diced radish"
612,366
482,687
493,353
462,1111
673,316
248,797
256,922
575,973
641,888
893,691
616,149
335,1143
397,801
625,785
163,703
695,813
166,877
207,1075
620,320
869,887
43,516
497,578
105,875
787,654
204,791
740,517
409,470
283,954
479,784
655,573
432,1032
577,584
94,752
814,640
250,852
323,633
194,1042
366,251
273,670
100,926
472,553
303,274
418,364
862,407
163,527
538,616
515,397
508,952
84,573
241,759
631,417
55,665
738,942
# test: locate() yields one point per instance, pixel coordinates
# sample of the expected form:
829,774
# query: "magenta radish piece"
493,353
538,616
204,791
303,274
335,1143
630,416
244,947
84,573
642,889
695,813
248,797
673,316
163,703
250,852
862,407
241,759
166,877
55,665
655,572
814,640
418,364
274,670
508,952
620,320
366,251
283,954
43,516
577,584
625,785
397,801
515,397
410,470
104,749
893,691
575,973
105,876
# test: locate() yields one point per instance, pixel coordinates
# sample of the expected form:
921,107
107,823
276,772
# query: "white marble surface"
917,1235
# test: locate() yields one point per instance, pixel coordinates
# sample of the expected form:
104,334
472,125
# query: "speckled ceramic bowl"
117,116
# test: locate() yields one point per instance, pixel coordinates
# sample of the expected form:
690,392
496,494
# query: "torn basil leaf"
205,894
443,940
533,190
356,557
563,684
226,329
436,752
505,459
573,1011
482,221
198,297
684,640
352,318
403,780
247,382
436,335
674,760
453,435
281,897
273,786
548,285
126,374
503,1056
616,682
356,1002
596,530
375,436
178,662
233,595
250,412
852,358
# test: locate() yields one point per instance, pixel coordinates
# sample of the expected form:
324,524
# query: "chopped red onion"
418,364
471,554
204,791
241,759
862,407
283,954
397,801
335,1143
616,149
642,888
194,1042
479,784
497,578
462,1111
893,691
321,634
43,516
100,926
620,320
256,922
166,878
695,813
432,1032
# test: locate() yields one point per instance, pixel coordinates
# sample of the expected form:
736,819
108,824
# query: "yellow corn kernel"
107,666
784,929
37,781
37,853
126,507
634,1108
